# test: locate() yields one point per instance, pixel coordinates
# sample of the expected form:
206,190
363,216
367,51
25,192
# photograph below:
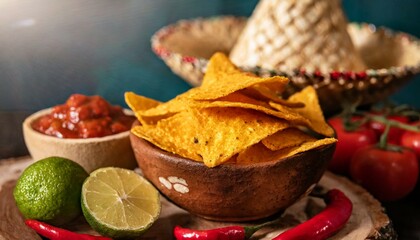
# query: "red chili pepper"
55,233
326,223
232,232
224,233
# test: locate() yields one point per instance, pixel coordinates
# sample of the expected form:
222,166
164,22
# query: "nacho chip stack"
309,34
234,117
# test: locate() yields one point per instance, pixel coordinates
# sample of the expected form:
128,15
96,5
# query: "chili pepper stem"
317,195
250,230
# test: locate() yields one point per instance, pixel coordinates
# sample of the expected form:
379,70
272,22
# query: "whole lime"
49,190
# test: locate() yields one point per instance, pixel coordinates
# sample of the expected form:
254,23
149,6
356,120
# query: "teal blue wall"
51,49
400,15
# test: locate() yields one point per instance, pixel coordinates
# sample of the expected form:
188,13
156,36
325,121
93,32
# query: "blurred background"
51,49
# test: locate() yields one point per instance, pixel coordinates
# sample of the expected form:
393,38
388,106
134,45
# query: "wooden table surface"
405,213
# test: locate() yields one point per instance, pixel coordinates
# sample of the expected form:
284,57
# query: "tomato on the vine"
411,140
389,174
348,142
395,133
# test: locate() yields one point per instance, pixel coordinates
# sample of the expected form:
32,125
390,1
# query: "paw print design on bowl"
175,183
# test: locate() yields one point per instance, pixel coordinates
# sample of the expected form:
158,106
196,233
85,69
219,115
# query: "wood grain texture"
12,225
368,220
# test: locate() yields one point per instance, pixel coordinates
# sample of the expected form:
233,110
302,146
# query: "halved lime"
119,203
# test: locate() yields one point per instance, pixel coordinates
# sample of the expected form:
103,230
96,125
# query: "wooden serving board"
368,220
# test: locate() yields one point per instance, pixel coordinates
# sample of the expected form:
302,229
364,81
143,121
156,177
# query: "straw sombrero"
391,59
304,34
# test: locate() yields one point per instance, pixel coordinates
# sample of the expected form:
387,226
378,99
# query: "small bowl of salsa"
86,129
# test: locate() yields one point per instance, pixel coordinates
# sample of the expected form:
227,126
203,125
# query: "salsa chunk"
84,116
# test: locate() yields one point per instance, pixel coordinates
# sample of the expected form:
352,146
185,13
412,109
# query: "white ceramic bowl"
91,153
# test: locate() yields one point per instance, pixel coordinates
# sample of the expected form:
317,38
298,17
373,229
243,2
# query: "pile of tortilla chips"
233,117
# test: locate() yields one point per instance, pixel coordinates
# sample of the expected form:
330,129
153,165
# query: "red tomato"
412,140
348,143
394,135
389,175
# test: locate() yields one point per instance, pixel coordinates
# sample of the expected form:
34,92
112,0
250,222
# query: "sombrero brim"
392,59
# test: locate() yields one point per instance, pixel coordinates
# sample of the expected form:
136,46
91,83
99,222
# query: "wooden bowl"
392,59
231,192
90,153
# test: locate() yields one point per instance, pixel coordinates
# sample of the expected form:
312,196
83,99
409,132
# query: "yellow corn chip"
256,153
138,102
233,117
263,93
248,103
182,103
241,98
175,134
259,153
223,78
310,145
175,105
215,134
228,131
312,111
289,137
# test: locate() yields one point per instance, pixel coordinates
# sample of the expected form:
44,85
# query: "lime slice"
119,203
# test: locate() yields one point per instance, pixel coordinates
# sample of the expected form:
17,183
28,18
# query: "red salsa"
84,117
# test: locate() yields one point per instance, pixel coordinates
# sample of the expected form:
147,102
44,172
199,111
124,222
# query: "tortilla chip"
138,102
182,103
234,116
309,146
312,111
289,137
256,153
259,153
229,131
291,116
175,105
241,98
174,134
223,78
262,93
215,134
